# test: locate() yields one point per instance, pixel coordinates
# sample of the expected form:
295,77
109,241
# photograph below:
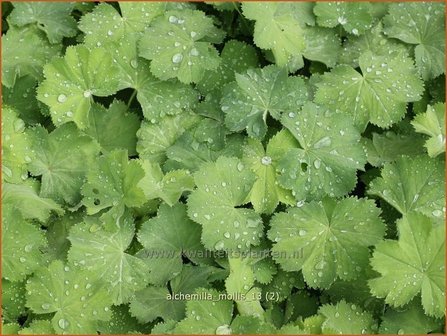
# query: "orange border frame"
1,63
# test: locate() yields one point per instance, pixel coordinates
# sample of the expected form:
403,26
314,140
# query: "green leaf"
15,147
57,234
113,182
105,24
257,93
13,298
221,187
355,18
77,301
52,18
24,52
329,156
432,123
409,320
373,41
22,243
104,252
344,318
71,82
38,327
236,57
153,302
22,98
421,24
414,264
155,139
413,184
322,45
24,198
166,238
378,94
62,158
121,322
114,128
211,316
266,192
182,49
326,240
389,146
279,27
169,187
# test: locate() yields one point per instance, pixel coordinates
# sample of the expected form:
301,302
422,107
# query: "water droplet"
323,142
317,163
219,245
63,323
266,160
223,330
240,166
22,259
299,204
173,19
28,248
227,235
45,306
302,232
19,125
110,33
236,224
437,213
62,98
193,34
87,93
177,58
134,63
194,52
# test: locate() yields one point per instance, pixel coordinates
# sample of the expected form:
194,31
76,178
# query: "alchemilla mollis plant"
223,168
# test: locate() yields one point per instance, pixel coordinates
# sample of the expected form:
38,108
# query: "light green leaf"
344,318
326,240
24,198
155,139
24,52
330,154
414,264
15,147
413,184
266,192
121,322
51,17
153,302
38,327
169,187
236,57
76,299
182,49
257,93
221,187
71,82
105,24
279,27
355,18
388,146
22,98
113,128
103,252
166,238
22,242
374,41
410,320
13,298
113,183
214,315
422,24
379,94
62,158
322,45
432,123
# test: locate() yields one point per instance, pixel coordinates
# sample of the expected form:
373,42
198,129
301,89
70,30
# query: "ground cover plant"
223,168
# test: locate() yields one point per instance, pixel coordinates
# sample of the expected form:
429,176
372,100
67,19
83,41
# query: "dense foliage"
282,164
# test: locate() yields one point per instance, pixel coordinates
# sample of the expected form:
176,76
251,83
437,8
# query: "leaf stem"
134,93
